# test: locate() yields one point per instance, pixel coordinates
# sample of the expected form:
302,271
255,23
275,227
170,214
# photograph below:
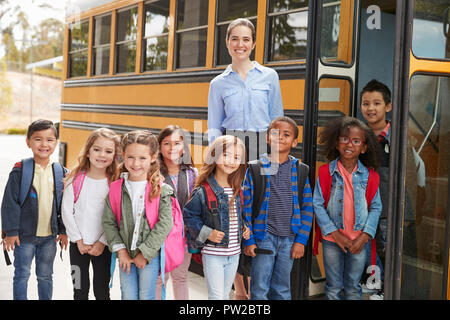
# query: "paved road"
13,149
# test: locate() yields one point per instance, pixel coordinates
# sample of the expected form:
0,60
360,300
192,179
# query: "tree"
19,38
5,89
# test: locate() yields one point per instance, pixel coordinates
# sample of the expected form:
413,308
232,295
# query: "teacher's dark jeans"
255,142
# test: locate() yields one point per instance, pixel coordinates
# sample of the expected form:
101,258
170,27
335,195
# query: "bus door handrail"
435,111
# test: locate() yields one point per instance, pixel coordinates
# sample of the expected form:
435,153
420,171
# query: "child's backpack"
77,184
26,181
173,248
260,180
325,184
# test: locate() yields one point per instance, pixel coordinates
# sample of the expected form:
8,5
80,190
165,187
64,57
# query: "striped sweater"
302,218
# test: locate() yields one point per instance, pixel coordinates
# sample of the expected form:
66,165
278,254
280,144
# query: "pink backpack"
77,184
173,248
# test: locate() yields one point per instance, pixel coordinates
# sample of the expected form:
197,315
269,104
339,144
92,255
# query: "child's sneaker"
371,287
377,296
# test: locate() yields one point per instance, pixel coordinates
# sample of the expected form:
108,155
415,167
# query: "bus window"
191,33
78,51
227,11
287,25
100,50
431,35
126,40
156,35
337,32
425,249
376,47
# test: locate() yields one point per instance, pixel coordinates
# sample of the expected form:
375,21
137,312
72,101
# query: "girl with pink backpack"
82,206
179,172
142,219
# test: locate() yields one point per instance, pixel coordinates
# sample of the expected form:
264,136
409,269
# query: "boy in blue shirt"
32,228
282,223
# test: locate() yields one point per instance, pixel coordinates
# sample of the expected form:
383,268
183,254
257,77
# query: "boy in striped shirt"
281,226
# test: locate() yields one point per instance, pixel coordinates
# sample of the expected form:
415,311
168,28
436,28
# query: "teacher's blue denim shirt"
248,105
332,219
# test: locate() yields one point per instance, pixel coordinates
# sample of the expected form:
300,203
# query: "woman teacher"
246,97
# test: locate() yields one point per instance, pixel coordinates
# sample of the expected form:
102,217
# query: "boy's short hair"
375,85
284,119
40,125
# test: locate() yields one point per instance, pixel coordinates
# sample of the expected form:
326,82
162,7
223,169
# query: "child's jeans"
219,273
270,274
179,280
140,284
342,270
44,249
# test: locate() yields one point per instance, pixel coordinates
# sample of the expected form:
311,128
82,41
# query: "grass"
15,131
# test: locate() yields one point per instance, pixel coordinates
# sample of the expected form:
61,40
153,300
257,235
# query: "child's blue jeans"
140,284
219,273
342,270
270,274
44,249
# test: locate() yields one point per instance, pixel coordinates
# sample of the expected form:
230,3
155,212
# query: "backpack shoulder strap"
26,179
259,185
115,199
325,182
77,184
211,200
58,175
372,186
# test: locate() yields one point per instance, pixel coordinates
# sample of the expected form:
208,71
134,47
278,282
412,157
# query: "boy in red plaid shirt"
376,102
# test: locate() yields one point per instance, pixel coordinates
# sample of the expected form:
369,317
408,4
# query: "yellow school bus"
132,64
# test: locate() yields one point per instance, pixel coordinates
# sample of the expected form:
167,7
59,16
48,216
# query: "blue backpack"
26,181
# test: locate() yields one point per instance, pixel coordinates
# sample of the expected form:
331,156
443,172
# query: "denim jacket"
199,221
331,218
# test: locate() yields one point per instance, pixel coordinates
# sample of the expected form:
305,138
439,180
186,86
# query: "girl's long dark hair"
340,127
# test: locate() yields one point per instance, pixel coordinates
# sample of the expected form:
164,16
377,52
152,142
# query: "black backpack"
259,184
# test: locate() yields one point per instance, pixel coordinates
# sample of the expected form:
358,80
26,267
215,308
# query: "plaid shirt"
302,218
385,134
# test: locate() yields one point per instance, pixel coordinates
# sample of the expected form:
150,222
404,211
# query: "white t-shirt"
136,189
83,219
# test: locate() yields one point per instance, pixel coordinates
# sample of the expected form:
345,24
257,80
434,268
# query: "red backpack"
325,184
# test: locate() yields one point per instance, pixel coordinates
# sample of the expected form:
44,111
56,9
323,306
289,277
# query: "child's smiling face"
374,108
172,147
137,159
101,154
42,143
281,137
230,160
352,145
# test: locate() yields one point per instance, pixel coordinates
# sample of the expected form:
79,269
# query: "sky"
36,14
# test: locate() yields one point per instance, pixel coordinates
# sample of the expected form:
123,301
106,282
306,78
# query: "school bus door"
329,93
